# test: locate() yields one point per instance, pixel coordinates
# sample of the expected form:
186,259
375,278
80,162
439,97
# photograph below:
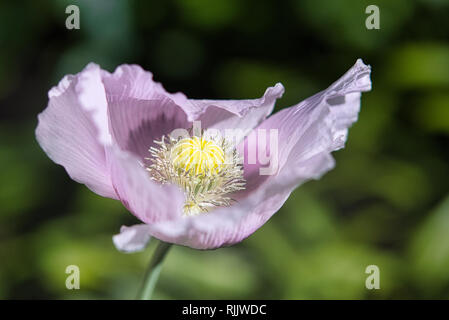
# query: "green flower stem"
153,270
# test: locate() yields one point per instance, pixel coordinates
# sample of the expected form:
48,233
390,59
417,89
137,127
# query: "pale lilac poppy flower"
112,132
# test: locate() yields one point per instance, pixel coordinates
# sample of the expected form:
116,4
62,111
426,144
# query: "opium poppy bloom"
200,173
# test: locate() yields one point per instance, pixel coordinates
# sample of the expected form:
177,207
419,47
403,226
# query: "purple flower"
115,134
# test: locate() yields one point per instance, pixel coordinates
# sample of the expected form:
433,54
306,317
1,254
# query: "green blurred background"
386,202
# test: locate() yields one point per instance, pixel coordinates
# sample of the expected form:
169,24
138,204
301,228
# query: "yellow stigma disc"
197,156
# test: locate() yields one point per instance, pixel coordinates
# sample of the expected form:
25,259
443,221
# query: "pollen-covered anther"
207,170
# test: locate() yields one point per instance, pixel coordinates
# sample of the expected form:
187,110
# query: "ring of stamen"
207,170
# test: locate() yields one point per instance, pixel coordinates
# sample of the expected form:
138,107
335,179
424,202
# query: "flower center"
207,170
197,156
